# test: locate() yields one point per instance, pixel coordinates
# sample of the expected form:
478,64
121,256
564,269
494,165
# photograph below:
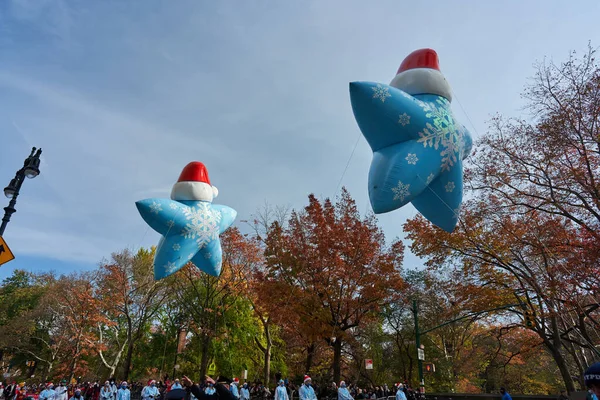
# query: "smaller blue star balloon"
418,146
190,224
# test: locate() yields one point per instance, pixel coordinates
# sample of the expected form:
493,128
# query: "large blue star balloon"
190,231
418,150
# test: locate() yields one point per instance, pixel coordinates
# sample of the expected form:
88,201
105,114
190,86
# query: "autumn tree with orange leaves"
336,266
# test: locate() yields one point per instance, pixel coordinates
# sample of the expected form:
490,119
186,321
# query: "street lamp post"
31,169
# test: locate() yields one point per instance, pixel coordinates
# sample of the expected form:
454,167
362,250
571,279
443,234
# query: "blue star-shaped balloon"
190,231
418,148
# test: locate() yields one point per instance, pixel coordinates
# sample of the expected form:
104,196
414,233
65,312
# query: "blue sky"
122,94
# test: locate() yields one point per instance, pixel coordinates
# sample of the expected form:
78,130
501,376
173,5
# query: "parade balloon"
418,145
190,224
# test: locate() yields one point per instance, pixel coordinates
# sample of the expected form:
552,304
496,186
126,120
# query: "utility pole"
418,344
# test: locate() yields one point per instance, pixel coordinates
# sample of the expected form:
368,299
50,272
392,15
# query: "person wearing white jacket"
281,392
106,392
61,392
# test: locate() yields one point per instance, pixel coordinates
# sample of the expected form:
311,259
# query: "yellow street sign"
212,368
5,254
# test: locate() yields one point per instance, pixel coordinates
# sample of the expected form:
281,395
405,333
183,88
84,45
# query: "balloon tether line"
347,165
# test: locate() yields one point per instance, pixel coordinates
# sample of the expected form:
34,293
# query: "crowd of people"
206,390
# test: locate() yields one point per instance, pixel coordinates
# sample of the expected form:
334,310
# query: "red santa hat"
236,380
306,378
420,73
150,381
194,184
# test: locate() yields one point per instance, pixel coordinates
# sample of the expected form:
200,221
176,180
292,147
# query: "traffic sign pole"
418,343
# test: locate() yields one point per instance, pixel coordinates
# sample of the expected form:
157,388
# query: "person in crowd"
61,391
281,392
400,395
591,378
113,388
563,395
234,388
95,390
222,391
9,393
150,392
176,385
306,391
77,395
123,393
505,395
48,393
360,394
245,392
1,391
210,389
343,393
106,392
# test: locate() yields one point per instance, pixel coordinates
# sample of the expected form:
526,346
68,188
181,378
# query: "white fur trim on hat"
422,81
191,190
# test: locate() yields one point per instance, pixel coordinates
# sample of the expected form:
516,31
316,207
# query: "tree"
522,254
28,323
76,308
263,221
204,300
552,164
335,266
127,287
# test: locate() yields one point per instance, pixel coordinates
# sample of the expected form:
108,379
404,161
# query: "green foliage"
19,293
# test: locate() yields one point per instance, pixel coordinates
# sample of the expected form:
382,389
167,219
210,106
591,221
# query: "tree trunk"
127,366
204,361
310,352
410,371
72,368
564,369
267,370
337,359
74,360
555,349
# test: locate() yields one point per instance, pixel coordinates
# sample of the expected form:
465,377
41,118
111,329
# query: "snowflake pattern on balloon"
155,207
207,255
170,223
401,191
173,206
443,133
430,178
457,211
381,92
176,247
450,186
412,159
404,119
170,268
203,225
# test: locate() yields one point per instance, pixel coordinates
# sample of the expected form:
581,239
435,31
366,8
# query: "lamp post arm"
10,210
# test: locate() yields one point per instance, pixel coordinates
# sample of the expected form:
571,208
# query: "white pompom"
215,191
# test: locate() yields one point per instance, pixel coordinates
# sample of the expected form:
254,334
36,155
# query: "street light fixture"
30,169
